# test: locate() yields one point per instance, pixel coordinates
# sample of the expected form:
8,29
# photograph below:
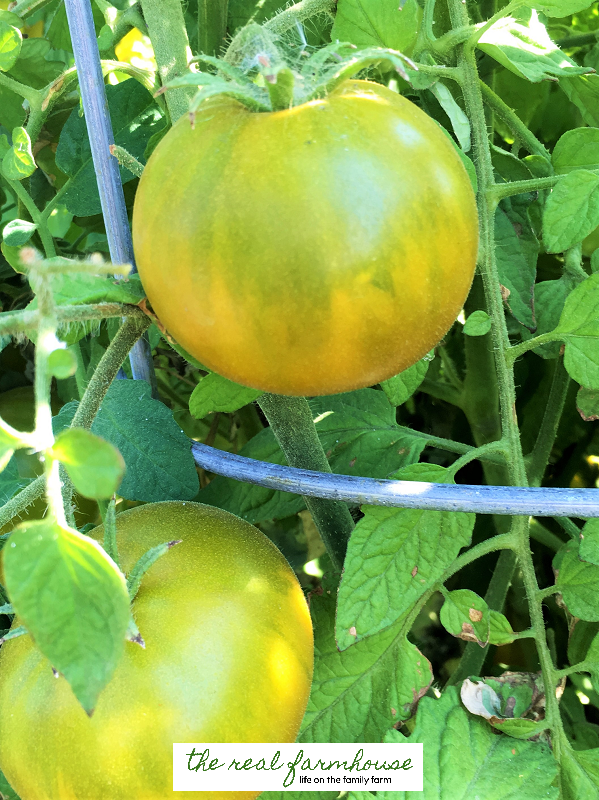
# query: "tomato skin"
309,251
228,658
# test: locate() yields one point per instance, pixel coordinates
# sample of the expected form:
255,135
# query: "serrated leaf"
94,465
578,583
10,45
500,630
576,149
587,404
524,47
401,387
394,556
377,23
19,163
215,393
135,118
77,289
360,436
18,232
549,300
459,120
571,211
579,773
516,266
157,454
477,324
358,694
464,757
583,91
579,328
466,615
73,601
589,542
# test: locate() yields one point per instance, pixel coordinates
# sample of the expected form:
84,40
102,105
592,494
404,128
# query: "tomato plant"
227,658
337,269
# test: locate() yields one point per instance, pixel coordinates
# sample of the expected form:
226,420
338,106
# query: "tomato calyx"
260,77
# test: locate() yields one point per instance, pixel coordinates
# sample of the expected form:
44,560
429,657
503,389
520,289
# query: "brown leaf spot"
353,631
352,462
505,292
394,712
475,615
467,633
415,572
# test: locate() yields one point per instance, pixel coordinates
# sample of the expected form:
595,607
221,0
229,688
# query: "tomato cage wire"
509,500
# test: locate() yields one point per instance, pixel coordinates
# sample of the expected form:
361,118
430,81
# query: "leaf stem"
517,350
514,123
287,19
292,423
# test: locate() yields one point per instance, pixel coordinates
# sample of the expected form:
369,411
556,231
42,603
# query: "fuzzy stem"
551,418
292,423
511,119
287,19
166,27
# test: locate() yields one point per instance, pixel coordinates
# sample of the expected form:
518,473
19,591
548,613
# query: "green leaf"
466,615
516,264
464,757
549,300
576,149
579,328
579,773
587,404
143,564
11,481
477,324
459,121
360,436
73,601
62,364
77,289
592,654
19,163
157,454
583,91
500,630
523,46
571,211
10,45
377,23
578,583
35,66
135,118
18,232
215,393
589,542
94,465
358,694
560,8
394,556
401,387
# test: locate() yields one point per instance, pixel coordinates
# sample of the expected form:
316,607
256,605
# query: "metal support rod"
511,500
99,129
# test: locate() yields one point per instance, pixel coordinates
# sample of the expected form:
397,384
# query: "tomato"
228,658
308,251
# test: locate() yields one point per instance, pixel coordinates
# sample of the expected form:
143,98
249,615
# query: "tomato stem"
292,423
168,34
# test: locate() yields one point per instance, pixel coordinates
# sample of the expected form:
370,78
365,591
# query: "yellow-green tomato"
308,251
228,658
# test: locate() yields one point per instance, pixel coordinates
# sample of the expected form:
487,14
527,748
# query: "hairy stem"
548,430
212,25
292,423
166,28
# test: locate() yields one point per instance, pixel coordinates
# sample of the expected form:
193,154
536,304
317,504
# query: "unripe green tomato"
228,658
308,251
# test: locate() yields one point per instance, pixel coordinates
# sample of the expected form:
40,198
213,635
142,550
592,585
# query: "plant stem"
472,89
17,504
501,190
15,323
518,350
569,527
166,28
212,25
578,40
582,666
514,123
285,20
36,216
482,29
551,418
292,423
